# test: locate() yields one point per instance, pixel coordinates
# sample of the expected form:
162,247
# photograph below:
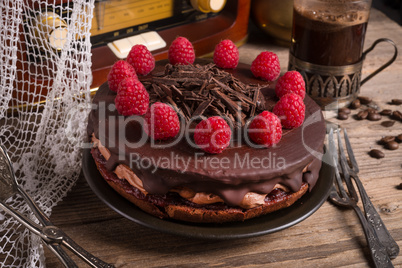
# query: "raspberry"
212,135
132,98
265,129
181,51
162,121
226,55
120,70
141,59
266,66
291,82
290,109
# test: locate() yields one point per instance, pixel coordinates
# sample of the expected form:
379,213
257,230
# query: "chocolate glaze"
230,174
173,198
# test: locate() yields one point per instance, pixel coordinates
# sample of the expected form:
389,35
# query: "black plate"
266,224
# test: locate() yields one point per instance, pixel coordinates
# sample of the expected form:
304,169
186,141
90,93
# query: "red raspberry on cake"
226,55
266,66
291,82
141,59
291,110
265,129
162,121
132,98
212,135
120,70
181,51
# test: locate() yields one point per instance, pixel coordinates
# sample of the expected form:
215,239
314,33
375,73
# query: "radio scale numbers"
120,19
111,15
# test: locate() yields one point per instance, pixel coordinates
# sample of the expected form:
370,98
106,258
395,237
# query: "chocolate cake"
173,179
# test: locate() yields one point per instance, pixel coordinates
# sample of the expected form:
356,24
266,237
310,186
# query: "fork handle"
64,258
56,234
377,250
36,229
374,219
62,255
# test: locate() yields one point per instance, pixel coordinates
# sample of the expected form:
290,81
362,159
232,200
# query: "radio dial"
208,6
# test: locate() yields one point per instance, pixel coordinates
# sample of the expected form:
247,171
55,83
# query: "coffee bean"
355,104
343,116
345,110
364,100
376,154
396,101
374,116
399,138
397,115
362,115
386,139
386,112
371,110
388,123
399,187
392,145
373,105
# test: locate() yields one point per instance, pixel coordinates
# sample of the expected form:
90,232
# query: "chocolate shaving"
167,90
176,92
205,90
231,105
202,107
256,97
158,90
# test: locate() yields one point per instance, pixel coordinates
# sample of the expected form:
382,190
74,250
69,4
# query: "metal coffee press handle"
385,65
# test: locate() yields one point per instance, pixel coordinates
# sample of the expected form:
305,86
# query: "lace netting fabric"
45,78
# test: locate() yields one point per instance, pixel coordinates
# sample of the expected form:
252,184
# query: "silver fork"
371,213
51,235
341,197
8,188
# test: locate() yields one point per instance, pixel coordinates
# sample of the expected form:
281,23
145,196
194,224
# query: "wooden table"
331,237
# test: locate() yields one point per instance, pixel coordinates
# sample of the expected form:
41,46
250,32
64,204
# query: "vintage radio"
203,22
119,24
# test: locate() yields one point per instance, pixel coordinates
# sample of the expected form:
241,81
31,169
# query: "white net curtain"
45,77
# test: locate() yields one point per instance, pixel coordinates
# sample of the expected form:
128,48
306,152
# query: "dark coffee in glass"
327,47
326,39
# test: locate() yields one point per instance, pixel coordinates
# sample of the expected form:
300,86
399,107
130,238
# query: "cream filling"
250,200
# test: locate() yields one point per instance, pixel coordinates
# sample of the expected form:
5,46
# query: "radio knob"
51,31
207,6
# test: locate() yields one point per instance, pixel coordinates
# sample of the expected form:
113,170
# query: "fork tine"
350,152
332,146
381,246
334,155
342,156
345,169
339,183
